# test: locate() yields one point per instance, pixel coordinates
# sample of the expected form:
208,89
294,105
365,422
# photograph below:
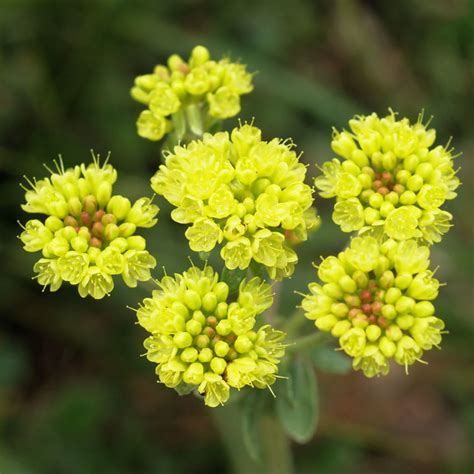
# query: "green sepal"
184,389
297,400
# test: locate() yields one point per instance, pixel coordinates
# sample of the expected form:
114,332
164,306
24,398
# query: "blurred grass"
74,395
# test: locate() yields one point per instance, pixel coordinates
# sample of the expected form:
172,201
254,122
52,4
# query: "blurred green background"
75,397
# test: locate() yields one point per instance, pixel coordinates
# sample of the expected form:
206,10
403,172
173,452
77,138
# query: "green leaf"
184,388
297,401
252,410
327,359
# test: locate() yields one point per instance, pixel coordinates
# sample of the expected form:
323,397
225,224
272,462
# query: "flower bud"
221,290
104,192
221,348
189,355
53,223
192,299
194,374
347,284
224,327
339,309
392,295
136,242
389,311
373,332
205,355
79,244
74,206
394,333
326,323
120,243
386,279
182,340
89,204
405,305
340,328
58,246
423,309
127,229
111,232
218,365
221,309
405,322
97,229
199,55
387,347
403,280
119,206
209,302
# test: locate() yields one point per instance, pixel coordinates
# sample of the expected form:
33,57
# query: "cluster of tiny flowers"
377,300
391,179
214,86
89,235
202,340
243,192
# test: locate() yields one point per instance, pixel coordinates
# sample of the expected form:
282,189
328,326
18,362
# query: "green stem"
294,323
276,447
277,457
227,420
307,342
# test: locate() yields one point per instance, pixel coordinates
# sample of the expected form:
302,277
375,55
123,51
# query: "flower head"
202,339
391,178
242,192
199,90
376,299
89,234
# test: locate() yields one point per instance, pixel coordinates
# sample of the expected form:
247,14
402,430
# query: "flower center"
92,223
386,182
367,307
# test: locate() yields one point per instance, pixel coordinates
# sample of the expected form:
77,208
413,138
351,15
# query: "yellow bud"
218,365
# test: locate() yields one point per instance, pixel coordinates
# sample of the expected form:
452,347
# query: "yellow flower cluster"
90,235
183,91
243,192
201,340
391,179
376,299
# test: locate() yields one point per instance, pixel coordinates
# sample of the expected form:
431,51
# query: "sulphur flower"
201,339
193,94
392,178
243,193
89,235
377,300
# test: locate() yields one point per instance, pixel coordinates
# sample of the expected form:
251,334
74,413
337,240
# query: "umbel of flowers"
202,340
89,235
376,299
242,192
199,91
391,178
